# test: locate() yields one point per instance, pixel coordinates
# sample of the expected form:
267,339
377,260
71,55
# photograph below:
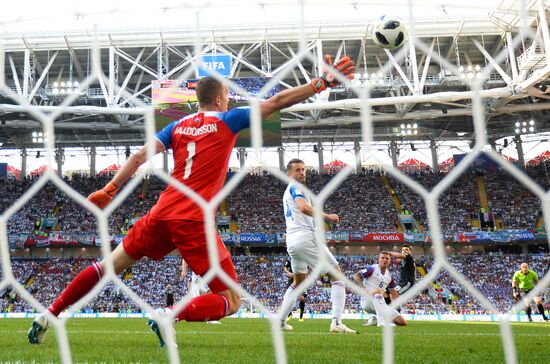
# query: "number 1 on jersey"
189,160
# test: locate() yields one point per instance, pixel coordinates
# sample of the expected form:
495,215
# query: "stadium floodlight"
525,127
64,88
374,79
38,137
409,129
470,72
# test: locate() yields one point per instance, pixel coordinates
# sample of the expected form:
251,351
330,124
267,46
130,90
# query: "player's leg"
194,290
540,307
299,267
527,303
78,288
401,288
290,283
368,306
528,311
385,314
302,306
400,321
221,302
288,300
290,287
204,289
337,296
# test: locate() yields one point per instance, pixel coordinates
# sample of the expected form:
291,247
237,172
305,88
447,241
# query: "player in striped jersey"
376,279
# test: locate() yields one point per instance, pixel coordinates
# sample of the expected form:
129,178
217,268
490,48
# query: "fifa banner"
504,236
174,100
220,63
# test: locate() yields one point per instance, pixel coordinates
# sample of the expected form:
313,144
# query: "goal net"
434,69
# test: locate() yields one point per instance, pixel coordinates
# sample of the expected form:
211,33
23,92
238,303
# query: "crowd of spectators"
263,278
361,200
491,274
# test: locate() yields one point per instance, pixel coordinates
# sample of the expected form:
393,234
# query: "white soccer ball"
389,32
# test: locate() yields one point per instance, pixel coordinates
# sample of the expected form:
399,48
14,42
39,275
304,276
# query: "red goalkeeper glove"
102,197
345,66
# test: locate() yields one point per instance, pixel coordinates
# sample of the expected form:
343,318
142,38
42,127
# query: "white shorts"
198,288
368,306
307,254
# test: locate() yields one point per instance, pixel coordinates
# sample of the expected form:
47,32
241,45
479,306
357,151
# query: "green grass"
249,341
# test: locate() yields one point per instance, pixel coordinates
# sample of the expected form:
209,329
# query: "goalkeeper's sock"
338,298
302,308
78,288
286,300
208,307
540,307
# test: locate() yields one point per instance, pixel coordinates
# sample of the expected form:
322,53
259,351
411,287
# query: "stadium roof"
139,43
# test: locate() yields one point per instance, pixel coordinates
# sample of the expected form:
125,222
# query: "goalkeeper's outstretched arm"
102,197
345,67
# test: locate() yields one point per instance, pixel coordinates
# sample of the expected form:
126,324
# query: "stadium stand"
362,202
262,276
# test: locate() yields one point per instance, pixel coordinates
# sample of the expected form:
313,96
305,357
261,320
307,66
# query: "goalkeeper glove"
515,292
345,66
102,197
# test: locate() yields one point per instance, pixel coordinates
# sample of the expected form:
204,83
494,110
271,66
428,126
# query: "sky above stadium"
64,15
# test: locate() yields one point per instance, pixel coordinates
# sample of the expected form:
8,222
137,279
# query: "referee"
407,272
523,282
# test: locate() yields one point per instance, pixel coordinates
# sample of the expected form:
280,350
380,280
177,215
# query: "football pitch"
249,341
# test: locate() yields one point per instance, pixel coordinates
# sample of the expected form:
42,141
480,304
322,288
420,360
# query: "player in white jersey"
376,279
303,249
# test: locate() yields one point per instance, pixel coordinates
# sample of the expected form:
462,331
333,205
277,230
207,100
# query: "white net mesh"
118,97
